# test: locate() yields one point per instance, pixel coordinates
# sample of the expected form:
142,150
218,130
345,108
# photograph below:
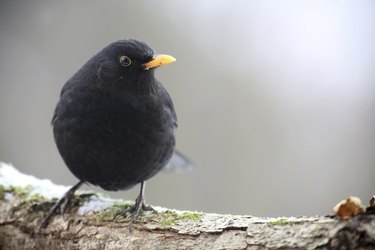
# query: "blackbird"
114,123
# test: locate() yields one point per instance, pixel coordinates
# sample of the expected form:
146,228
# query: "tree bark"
21,213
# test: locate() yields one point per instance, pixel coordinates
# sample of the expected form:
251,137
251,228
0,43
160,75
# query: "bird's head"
128,62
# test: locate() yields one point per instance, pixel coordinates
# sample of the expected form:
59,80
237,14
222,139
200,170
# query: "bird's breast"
125,140
114,121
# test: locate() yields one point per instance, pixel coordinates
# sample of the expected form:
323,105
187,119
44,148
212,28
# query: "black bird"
114,123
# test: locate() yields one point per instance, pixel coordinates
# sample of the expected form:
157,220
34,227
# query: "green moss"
42,206
110,212
24,194
37,198
2,192
166,219
194,216
81,197
171,218
21,192
25,203
77,200
280,222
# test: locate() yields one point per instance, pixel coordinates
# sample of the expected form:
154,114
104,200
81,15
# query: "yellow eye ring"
125,61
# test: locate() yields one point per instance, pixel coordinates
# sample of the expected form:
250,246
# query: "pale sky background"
275,99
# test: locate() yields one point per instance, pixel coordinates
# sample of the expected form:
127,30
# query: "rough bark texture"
21,213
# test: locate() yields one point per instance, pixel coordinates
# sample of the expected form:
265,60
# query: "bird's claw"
64,203
136,210
87,195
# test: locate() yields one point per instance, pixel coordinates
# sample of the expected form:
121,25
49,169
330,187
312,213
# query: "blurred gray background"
275,99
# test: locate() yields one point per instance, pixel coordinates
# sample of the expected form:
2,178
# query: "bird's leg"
140,204
63,202
137,208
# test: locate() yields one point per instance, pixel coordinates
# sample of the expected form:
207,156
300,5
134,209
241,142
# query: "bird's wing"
179,162
54,117
68,85
168,101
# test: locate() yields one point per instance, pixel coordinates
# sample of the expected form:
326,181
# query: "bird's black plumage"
114,123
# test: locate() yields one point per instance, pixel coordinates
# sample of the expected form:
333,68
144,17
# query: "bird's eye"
125,61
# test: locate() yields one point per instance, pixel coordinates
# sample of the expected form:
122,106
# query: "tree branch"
89,225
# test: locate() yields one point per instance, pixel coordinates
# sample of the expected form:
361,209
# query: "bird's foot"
64,203
43,206
136,210
87,195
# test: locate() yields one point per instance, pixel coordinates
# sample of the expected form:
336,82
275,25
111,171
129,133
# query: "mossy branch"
89,225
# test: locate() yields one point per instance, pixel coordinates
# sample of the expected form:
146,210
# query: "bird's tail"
179,162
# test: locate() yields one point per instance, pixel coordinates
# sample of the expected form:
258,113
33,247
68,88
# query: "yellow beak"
158,60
